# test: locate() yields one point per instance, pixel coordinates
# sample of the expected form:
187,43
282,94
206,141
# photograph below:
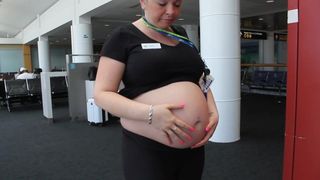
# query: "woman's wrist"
150,114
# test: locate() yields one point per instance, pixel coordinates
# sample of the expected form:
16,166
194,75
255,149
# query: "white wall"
11,58
86,6
59,14
57,56
10,41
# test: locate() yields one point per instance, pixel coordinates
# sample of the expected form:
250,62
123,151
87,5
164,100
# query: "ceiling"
15,15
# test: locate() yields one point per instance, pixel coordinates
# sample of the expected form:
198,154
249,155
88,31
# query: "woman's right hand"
172,127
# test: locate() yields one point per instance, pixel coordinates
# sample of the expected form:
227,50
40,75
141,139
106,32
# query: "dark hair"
37,70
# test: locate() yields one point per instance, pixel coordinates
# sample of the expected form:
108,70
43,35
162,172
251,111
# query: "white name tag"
205,84
151,45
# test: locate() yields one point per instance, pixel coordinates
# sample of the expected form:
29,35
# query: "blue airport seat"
258,79
16,90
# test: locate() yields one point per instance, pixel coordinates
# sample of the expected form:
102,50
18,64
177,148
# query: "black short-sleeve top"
149,64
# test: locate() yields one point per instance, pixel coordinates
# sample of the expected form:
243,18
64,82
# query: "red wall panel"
291,95
307,141
290,102
292,4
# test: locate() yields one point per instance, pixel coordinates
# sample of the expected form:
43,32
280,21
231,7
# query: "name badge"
205,83
151,45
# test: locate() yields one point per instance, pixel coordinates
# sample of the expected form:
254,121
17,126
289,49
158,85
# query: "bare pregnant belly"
195,112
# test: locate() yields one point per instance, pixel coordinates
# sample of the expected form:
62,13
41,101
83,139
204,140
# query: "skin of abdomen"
195,113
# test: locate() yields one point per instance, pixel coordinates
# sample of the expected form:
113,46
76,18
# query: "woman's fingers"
213,121
175,133
172,120
205,139
167,133
184,125
211,127
174,128
175,106
183,136
182,130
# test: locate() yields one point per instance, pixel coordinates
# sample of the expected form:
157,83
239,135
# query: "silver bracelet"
150,114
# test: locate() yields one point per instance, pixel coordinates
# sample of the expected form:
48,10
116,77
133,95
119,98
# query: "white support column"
268,50
81,38
220,48
46,93
193,34
43,53
261,52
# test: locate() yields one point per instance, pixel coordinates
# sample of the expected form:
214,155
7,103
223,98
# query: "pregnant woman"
166,117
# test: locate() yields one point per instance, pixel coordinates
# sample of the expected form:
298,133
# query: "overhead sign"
280,37
253,34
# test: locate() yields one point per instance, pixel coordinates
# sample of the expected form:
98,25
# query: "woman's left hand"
211,127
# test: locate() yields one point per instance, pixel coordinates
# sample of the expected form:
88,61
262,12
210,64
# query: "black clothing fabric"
145,159
148,69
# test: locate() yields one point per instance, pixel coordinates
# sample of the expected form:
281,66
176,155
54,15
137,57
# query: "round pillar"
43,53
220,48
268,50
81,35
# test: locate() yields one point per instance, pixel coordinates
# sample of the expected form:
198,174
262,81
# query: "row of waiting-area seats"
264,82
7,75
29,90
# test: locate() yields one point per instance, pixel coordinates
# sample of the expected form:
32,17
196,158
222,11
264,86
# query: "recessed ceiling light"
106,25
260,19
269,1
181,19
138,15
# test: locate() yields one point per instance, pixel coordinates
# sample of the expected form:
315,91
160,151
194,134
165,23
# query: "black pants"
145,159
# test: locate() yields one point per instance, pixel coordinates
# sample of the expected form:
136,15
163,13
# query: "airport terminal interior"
46,131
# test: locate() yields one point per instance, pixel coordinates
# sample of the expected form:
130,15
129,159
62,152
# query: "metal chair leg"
8,105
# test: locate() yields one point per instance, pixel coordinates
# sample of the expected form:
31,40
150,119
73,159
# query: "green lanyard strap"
177,37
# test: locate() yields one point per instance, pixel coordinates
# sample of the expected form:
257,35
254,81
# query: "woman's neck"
149,23
154,34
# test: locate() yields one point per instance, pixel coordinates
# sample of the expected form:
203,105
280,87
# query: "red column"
291,94
307,141
302,140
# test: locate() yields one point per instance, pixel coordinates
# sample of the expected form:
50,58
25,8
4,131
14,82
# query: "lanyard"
177,37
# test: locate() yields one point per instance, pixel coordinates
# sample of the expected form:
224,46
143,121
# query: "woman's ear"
143,4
